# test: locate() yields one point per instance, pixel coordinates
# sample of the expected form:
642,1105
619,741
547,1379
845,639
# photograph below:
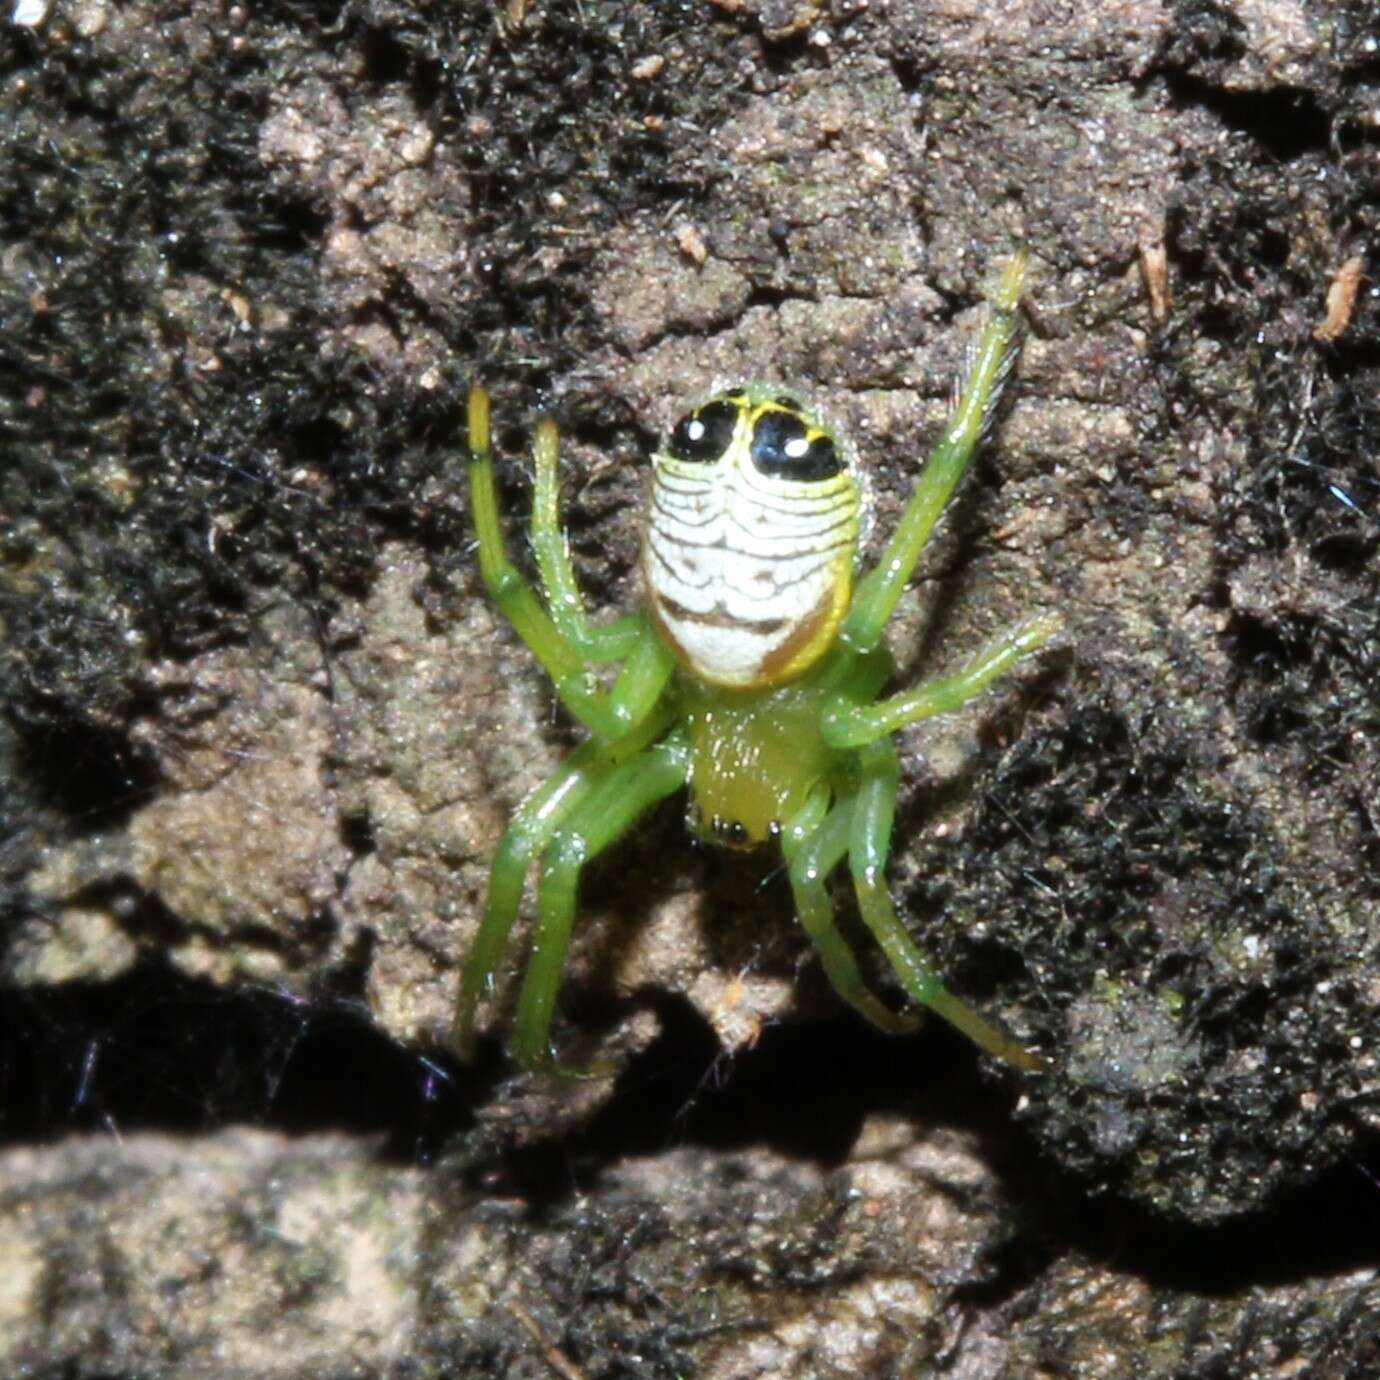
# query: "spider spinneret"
752,679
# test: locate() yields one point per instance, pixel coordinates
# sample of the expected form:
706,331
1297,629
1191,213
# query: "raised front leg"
567,606
566,645
992,361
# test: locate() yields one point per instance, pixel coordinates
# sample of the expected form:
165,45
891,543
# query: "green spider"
752,679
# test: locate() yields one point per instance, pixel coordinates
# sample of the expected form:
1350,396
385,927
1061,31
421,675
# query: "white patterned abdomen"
749,574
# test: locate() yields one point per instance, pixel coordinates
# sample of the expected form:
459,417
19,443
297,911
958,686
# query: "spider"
752,678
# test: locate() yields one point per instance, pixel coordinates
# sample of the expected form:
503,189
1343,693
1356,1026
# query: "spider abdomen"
751,538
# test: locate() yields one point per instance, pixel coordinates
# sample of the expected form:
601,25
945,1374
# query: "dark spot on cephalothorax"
784,447
703,435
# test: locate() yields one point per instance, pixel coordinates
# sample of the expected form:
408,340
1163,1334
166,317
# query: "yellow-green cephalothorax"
751,538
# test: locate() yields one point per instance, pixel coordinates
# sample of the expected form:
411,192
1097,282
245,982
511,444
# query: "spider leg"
609,643
992,362
528,833
869,843
847,724
602,814
811,859
567,662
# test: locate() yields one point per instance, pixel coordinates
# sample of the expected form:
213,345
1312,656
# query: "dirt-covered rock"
262,729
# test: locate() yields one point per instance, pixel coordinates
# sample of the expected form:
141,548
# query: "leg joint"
516,849
568,851
503,580
869,877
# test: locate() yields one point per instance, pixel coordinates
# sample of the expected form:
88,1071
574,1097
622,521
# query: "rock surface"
262,729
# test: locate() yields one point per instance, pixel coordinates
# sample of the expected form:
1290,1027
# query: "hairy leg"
992,361
869,844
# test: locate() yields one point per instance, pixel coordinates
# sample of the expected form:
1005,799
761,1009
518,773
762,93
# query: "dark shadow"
155,1050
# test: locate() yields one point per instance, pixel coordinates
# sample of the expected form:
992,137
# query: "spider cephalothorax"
753,678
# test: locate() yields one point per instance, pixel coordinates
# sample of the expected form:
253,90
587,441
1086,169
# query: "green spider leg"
848,724
605,783
611,642
852,720
600,817
528,833
812,854
876,594
869,843
561,638
849,720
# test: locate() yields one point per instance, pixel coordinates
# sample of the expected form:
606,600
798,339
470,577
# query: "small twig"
1154,272
1341,300
551,1353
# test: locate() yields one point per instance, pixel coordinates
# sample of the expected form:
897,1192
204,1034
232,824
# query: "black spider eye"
703,435
783,447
